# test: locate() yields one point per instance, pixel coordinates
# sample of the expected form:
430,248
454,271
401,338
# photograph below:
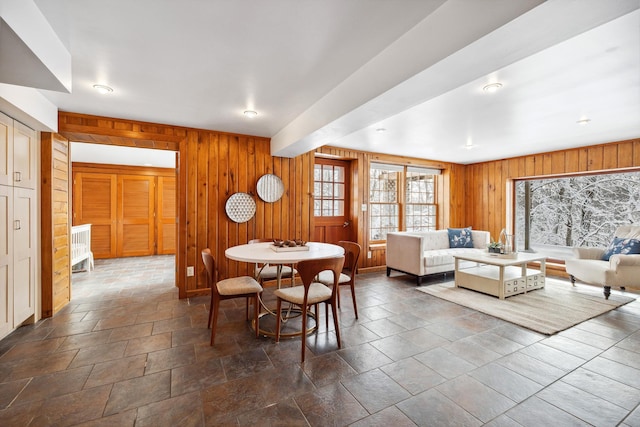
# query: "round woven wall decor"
270,188
240,207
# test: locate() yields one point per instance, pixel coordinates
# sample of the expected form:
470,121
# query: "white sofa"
620,270
427,252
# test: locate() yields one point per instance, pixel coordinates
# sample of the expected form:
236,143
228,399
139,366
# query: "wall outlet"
369,254
190,271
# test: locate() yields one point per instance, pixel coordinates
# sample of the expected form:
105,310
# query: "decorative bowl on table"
280,245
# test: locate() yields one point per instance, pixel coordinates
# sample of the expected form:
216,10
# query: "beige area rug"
554,308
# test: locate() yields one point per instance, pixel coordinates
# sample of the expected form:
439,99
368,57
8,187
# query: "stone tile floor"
126,351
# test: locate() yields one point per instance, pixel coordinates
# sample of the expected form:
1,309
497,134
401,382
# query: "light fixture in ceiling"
492,87
469,145
250,114
103,89
381,130
583,122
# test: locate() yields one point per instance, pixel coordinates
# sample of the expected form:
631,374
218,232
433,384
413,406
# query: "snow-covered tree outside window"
401,198
575,211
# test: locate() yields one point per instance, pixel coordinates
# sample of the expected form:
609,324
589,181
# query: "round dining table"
265,253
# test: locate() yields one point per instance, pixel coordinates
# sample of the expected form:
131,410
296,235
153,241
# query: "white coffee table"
500,276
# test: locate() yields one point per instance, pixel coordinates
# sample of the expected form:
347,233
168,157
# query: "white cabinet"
24,156
6,260
24,254
6,150
18,145
18,226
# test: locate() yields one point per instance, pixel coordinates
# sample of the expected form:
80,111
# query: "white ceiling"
331,72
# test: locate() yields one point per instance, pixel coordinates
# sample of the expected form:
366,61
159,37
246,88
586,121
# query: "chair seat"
326,277
317,293
588,270
238,285
270,272
622,269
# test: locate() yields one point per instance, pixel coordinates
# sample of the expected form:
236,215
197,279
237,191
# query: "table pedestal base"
290,325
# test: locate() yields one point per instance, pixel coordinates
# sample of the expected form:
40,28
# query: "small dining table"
264,253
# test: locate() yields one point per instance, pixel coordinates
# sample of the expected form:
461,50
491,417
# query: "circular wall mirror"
240,207
270,188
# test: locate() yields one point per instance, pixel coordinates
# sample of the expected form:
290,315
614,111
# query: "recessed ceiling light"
250,114
381,130
103,89
492,87
583,122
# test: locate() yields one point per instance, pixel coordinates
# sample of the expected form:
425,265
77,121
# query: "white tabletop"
522,257
262,253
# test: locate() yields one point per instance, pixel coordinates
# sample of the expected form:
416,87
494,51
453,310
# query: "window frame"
432,204
322,219
557,253
402,170
398,170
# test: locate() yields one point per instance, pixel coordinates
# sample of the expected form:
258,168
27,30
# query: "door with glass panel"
332,201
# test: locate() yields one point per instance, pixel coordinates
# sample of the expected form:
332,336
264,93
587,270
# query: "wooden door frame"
99,133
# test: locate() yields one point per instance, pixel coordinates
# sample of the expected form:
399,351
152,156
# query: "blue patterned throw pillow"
460,237
623,246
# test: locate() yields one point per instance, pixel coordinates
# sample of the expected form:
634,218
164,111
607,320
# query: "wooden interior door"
332,200
95,200
136,215
166,216
56,186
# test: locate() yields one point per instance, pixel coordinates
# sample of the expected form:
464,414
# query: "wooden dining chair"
348,274
311,293
266,272
235,287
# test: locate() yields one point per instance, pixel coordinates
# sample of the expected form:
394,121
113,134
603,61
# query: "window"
400,198
329,190
420,213
553,215
384,206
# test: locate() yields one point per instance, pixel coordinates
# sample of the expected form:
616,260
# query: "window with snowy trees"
401,197
553,215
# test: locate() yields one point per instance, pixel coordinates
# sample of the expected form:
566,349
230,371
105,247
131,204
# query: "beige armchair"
620,270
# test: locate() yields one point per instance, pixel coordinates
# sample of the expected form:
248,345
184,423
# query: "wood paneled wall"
214,165
55,224
211,167
487,193
449,196
219,165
